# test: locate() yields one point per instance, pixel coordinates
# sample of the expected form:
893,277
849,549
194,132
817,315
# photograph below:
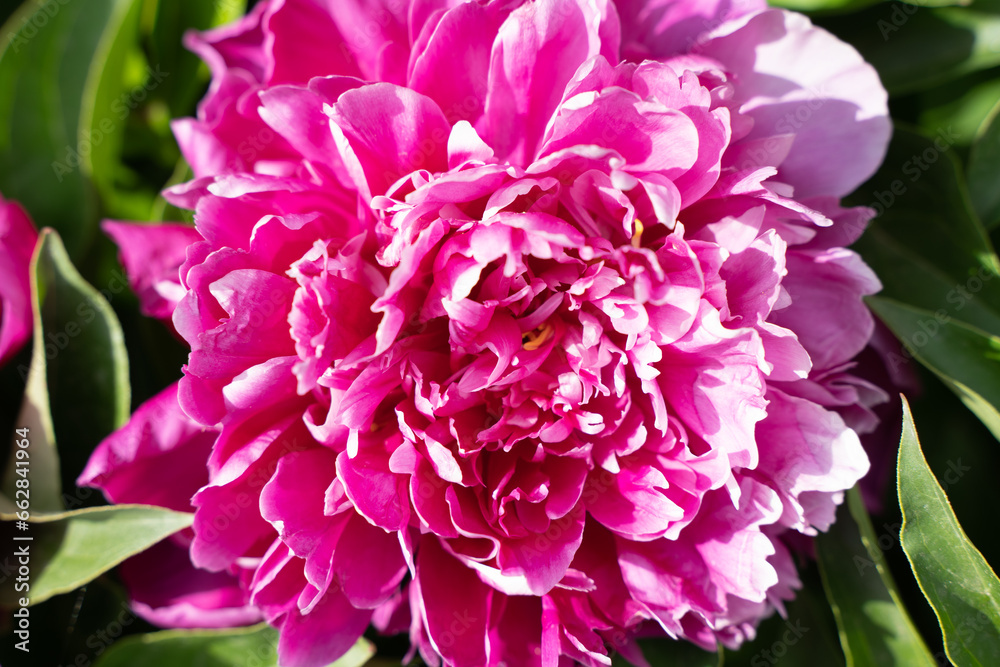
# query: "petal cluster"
17,242
524,327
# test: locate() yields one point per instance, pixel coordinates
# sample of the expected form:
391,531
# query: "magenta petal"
716,391
378,494
515,630
536,53
168,591
663,28
833,281
152,255
796,78
635,508
293,499
736,560
306,42
160,442
377,34
228,522
753,278
454,605
17,242
542,561
324,634
369,563
458,85
384,132
297,114
813,457
648,135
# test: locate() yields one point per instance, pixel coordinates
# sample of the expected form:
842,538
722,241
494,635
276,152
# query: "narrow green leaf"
823,5
256,645
106,99
69,549
965,358
874,626
46,51
87,363
957,581
841,6
984,170
33,453
927,244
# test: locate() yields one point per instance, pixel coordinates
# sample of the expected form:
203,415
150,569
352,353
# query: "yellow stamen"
535,339
637,233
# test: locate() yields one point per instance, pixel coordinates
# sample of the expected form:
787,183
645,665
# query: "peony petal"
663,28
536,52
324,634
153,255
160,442
17,242
797,78
384,132
455,605
168,591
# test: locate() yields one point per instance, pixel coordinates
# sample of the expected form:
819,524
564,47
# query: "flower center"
534,339
637,233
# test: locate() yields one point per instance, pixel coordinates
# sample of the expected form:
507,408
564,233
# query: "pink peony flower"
17,243
525,327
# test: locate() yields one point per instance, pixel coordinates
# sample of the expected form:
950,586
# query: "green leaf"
77,387
172,18
106,99
87,363
40,453
927,245
916,47
47,52
823,5
965,358
840,6
961,106
874,626
955,578
984,170
70,549
256,645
